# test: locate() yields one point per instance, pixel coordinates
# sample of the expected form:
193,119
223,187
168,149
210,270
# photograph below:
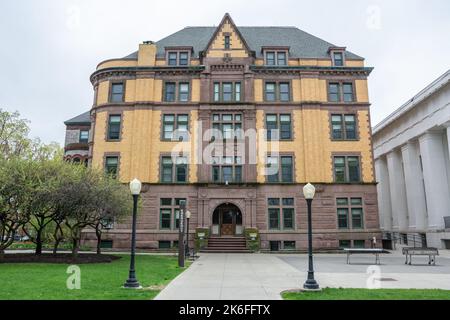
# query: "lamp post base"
311,284
132,284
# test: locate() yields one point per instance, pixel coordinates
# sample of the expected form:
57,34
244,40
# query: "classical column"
435,178
384,194
398,191
415,194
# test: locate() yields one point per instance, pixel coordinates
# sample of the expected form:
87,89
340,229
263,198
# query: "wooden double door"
228,217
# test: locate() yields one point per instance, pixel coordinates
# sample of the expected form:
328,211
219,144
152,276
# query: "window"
168,126
216,91
166,219
286,169
112,165
174,172
344,243
279,169
114,125
353,206
270,58
163,244
277,91
274,218
270,91
278,129
184,58
359,243
84,136
178,58
227,92
338,59
170,212
183,94
333,92
348,92
175,127
337,90
285,206
289,245
117,92
181,170
273,169
281,58
229,126
172,58
169,91
166,170
346,169
343,126
276,58
284,91
237,91
227,42
285,126
227,169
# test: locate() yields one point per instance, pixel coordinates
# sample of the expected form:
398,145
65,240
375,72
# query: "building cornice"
131,71
432,88
322,70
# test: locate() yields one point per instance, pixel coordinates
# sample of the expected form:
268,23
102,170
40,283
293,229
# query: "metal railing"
408,239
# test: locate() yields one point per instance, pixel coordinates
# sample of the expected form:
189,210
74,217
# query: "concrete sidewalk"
265,276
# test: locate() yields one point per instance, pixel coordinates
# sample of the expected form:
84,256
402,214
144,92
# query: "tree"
43,179
113,202
13,134
14,190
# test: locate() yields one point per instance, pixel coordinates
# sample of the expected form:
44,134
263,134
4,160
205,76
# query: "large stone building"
154,107
411,148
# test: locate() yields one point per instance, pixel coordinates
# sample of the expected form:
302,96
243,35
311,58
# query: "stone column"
398,192
415,194
435,178
384,194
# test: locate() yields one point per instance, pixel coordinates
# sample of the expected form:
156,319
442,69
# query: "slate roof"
301,43
84,118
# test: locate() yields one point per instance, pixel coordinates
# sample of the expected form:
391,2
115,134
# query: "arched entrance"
227,220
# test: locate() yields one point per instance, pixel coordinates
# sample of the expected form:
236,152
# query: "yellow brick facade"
313,148
140,146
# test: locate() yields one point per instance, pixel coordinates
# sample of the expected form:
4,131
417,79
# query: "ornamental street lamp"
310,284
132,282
181,246
188,216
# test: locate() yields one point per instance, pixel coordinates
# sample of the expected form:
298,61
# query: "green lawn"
369,294
98,281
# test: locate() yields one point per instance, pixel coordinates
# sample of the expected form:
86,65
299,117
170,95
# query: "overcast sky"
49,48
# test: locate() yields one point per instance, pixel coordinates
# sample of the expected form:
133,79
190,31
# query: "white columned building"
412,164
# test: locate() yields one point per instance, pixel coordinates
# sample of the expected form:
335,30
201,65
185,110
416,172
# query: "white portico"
412,164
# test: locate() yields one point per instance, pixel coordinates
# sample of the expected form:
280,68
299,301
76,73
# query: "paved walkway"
265,276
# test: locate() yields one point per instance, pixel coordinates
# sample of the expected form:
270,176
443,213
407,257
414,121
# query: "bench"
430,252
374,251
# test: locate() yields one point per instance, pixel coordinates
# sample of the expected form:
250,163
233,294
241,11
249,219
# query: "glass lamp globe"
309,191
135,187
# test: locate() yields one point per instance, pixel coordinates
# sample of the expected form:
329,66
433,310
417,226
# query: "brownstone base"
251,200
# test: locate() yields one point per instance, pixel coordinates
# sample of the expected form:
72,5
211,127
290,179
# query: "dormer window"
337,56
276,57
173,56
178,57
184,58
338,59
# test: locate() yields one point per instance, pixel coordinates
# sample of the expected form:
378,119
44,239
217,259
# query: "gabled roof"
301,43
227,18
82,119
